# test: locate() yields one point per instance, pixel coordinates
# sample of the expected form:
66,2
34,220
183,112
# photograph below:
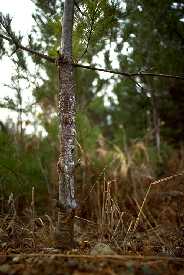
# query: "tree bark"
66,164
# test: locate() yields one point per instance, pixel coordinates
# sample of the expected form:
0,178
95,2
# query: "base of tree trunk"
64,233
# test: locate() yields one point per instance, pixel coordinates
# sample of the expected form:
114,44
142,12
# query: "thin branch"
77,6
136,83
126,74
19,46
63,60
148,191
89,38
90,32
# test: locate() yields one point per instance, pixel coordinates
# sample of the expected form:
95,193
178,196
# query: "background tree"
156,47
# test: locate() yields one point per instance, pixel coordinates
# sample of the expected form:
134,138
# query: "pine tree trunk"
66,165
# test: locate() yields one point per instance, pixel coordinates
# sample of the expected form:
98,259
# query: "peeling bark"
66,163
64,236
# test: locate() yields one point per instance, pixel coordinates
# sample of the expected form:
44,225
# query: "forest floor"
22,252
153,245
83,264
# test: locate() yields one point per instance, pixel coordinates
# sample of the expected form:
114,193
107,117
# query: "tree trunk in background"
155,115
66,164
156,121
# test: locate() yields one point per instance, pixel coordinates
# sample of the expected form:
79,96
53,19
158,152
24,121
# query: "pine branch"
19,46
125,74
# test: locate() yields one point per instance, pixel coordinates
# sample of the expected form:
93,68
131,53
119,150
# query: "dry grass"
129,207
120,202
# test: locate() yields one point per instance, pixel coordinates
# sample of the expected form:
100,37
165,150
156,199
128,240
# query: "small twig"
148,222
16,50
90,33
41,55
141,208
168,178
85,220
126,74
148,191
77,6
